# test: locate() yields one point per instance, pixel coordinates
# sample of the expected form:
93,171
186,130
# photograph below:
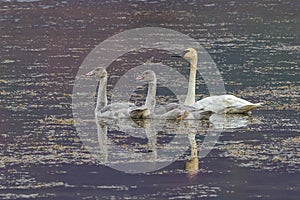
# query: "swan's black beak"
176,56
180,55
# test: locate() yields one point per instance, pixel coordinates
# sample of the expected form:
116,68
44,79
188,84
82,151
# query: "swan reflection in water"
146,145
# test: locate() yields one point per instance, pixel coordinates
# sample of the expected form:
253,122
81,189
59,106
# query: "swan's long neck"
190,98
101,95
150,100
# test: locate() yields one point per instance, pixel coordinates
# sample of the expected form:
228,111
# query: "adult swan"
217,104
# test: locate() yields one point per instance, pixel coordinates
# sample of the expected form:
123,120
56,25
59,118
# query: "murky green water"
255,45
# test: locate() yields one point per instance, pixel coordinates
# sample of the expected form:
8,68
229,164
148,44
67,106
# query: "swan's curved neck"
150,100
101,95
190,98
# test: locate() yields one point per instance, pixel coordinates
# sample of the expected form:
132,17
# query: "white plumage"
225,104
218,104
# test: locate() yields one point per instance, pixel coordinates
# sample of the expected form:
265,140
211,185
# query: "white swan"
217,104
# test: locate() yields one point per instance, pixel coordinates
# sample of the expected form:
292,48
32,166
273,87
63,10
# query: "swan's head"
188,54
99,72
147,75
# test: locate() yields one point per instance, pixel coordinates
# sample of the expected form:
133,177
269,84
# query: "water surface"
43,43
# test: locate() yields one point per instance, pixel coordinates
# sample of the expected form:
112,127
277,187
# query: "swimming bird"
147,111
174,111
219,103
129,110
114,110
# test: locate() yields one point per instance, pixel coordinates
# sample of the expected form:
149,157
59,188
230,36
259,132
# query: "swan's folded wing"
233,101
116,106
213,103
225,104
175,114
172,106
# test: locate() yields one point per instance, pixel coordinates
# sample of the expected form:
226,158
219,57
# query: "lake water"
255,45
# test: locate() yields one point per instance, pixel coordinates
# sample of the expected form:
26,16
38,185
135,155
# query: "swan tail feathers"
248,108
259,104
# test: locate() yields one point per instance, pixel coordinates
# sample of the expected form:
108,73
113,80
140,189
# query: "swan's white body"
218,104
225,104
